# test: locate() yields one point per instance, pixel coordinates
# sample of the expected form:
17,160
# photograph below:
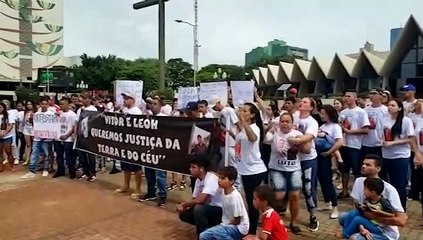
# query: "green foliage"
233,72
25,94
180,73
167,92
146,70
269,60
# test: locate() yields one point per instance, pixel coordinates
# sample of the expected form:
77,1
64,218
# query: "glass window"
420,55
421,42
408,70
410,57
375,83
420,70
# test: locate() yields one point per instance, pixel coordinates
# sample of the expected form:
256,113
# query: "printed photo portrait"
200,140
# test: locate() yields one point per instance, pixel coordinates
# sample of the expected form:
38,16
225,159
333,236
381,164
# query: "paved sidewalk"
45,208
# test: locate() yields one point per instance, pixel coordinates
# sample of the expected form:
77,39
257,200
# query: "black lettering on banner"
164,143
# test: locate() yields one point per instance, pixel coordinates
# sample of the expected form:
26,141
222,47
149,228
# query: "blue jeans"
352,160
202,216
309,177
220,232
396,174
351,221
152,177
39,147
324,173
64,150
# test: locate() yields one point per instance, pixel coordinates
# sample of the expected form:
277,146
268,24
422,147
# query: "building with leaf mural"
31,37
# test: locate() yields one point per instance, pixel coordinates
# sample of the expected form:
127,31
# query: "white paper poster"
122,86
46,125
242,92
210,90
186,95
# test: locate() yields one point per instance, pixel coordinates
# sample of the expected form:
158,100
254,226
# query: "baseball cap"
213,101
191,106
293,91
408,88
129,94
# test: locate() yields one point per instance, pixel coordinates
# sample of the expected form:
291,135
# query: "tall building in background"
395,34
275,48
31,37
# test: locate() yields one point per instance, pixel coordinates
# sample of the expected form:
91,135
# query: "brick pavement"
46,208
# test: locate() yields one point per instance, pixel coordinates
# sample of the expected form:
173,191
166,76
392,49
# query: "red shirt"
273,225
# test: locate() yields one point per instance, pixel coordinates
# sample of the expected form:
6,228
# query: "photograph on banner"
211,90
46,125
186,95
164,143
122,86
242,92
200,140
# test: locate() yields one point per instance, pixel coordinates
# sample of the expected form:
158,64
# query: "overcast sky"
230,28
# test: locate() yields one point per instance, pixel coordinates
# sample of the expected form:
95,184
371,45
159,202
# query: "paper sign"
46,125
242,92
186,95
122,86
211,90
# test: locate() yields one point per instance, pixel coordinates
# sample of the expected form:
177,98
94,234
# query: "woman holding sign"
398,137
6,137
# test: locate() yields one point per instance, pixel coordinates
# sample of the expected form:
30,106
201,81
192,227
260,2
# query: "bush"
167,92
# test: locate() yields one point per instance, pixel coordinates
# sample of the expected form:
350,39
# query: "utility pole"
162,57
195,41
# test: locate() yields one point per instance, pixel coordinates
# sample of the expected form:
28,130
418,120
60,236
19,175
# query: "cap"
376,91
213,101
191,106
408,88
293,91
129,94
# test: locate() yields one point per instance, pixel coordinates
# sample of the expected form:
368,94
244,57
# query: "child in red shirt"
273,227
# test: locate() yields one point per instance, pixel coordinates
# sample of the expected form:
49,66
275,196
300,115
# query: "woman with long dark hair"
6,137
250,166
28,129
396,149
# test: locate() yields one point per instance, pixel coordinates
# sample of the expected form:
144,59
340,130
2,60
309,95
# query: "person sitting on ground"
204,210
235,222
375,202
372,165
272,225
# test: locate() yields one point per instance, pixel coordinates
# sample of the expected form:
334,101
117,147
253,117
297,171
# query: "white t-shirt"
13,113
399,150
67,120
3,125
308,125
288,161
209,185
352,119
229,113
333,131
390,193
250,160
208,115
89,108
417,120
377,115
25,120
167,109
409,107
21,121
233,207
132,111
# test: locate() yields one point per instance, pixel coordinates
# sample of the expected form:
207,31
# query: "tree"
268,60
146,70
233,72
179,73
27,94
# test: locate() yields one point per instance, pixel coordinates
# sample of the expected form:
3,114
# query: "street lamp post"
82,86
195,36
220,75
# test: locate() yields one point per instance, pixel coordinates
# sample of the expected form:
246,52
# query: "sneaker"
343,195
45,173
28,175
183,186
172,186
16,161
339,186
327,207
146,198
82,177
92,178
314,224
334,215
295,229
161,202
58,175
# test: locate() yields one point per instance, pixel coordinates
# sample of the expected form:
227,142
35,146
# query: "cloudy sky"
230,28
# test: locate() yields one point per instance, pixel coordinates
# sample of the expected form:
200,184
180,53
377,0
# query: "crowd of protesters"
291,149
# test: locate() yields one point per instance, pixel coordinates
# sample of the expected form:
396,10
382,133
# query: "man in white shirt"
87,160
204,210
156,176
409,92
372,165
204,110
355,123
64,145
130,107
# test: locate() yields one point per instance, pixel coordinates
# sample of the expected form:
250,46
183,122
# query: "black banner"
158,142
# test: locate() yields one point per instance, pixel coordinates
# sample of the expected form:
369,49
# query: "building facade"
275,48
31,37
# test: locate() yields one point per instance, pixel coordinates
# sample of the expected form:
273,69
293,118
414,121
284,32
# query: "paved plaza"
46,208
